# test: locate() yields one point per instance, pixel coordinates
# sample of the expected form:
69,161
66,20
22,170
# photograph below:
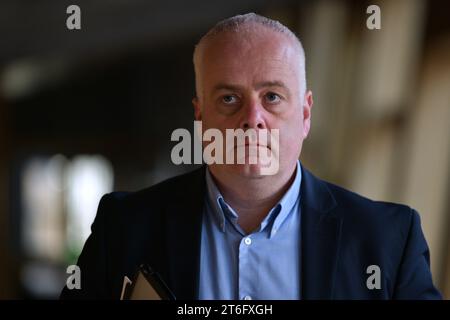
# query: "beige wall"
381,117
428,170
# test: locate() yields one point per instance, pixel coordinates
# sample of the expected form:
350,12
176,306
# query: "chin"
247,170
256,170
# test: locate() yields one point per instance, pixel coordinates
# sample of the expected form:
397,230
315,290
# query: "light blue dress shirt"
262,265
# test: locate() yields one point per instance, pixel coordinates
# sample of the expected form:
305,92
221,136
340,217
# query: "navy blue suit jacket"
342,234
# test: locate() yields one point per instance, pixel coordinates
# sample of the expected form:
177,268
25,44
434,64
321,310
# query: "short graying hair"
247,22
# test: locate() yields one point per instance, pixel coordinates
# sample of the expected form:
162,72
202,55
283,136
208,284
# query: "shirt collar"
214,199
277,214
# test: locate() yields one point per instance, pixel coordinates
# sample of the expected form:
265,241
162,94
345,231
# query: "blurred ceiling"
37,28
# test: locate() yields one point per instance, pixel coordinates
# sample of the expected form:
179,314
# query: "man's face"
253,81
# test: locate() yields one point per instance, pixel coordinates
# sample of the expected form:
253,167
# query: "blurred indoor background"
88,111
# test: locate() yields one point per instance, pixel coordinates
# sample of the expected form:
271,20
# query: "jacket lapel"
321,230
183,225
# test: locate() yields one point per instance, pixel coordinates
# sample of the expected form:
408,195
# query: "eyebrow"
259,85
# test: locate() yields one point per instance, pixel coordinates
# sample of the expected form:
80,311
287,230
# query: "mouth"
252,145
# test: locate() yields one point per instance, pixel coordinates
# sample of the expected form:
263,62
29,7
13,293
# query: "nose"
253,116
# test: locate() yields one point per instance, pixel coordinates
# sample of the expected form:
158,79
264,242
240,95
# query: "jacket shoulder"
171,189
369,222
356,205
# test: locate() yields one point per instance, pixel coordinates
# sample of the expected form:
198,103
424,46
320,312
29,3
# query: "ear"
197,109
307,106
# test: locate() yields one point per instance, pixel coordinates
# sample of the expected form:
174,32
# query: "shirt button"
248,241
247,298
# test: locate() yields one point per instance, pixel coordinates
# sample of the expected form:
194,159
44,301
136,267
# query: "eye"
273,97
229,99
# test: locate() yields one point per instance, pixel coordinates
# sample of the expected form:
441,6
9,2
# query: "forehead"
259,53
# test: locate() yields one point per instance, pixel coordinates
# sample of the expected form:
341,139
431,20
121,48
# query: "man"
226,231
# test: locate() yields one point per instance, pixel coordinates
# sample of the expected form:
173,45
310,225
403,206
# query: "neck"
252,197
